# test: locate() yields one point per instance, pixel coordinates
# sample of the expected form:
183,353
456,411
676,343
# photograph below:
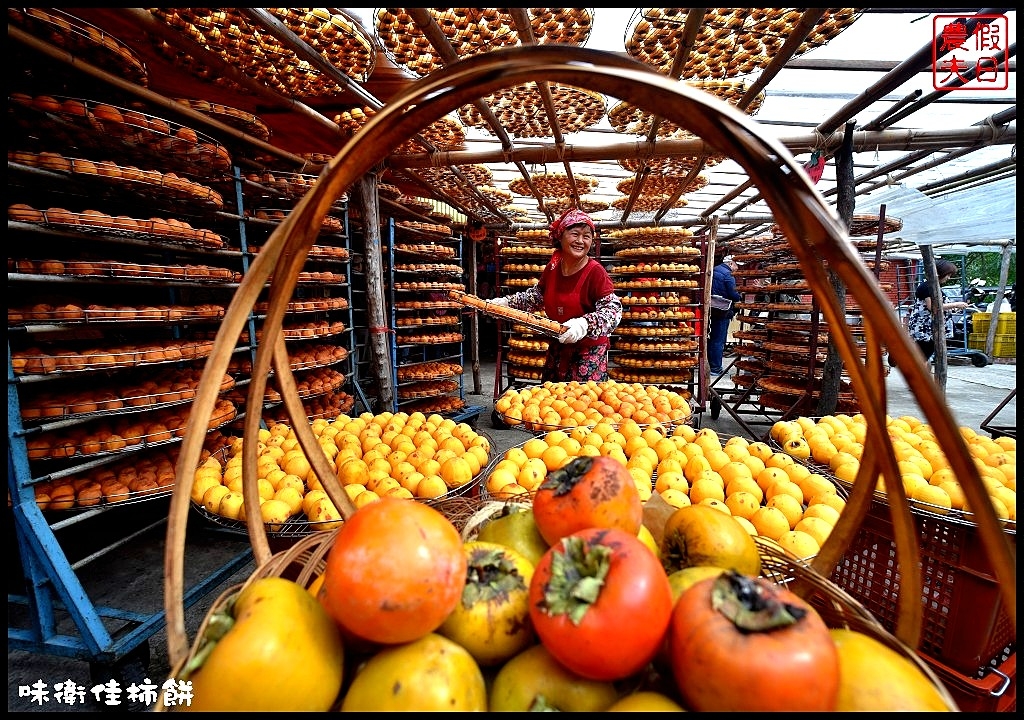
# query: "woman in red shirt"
575,290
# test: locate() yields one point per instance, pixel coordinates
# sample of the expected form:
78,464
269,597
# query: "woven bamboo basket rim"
837,607
816,236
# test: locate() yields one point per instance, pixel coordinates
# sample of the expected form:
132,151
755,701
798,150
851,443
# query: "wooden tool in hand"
531,320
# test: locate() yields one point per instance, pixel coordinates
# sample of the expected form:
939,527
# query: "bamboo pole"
796,144
379,330
469,266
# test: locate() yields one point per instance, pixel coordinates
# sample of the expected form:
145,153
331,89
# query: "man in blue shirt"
723,287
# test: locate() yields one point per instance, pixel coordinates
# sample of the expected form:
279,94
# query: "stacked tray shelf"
427,323
658,273
784,337
521,262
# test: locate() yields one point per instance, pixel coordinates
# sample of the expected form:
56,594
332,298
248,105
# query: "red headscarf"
570,217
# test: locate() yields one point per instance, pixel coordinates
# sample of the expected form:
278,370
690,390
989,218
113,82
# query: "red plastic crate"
996,691
965,624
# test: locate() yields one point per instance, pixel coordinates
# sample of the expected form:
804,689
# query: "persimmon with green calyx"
701,535
492,621
586,492
874,677
534,681
741,643
395,571
271,648
430,674
600,603
515,527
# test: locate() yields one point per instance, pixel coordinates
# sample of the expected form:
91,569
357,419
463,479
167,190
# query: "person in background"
723,286
575,290
919,322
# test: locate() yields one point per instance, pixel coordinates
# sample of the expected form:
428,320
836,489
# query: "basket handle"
282,258
814,233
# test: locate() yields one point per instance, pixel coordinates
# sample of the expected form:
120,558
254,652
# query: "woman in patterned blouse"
576,291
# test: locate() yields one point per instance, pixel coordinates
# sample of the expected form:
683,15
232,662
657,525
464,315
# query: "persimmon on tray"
531,320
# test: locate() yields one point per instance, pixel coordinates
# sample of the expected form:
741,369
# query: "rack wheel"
131,669
979,359
496,422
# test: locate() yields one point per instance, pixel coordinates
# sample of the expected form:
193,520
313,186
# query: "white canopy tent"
980,219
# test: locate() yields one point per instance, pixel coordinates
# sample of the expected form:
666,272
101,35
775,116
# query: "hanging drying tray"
861,226
646,203
554,185
260,55
238,119
730,42
83,40
586,204
443,178
627,118
471,31
120,132
673,165
444,134
521,110
663,184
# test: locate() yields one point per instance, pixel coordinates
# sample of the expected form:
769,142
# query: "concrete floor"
132,575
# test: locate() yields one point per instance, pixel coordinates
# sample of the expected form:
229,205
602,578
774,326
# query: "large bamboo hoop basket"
815,236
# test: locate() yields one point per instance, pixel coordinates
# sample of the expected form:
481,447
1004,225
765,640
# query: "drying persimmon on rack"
531,320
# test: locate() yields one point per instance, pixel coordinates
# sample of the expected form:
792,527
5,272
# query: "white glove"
499,301
576,329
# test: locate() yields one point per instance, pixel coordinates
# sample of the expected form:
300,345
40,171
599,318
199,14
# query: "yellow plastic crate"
1007,324
1004,346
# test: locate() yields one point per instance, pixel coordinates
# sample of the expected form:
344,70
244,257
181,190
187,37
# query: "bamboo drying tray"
817,239
530,320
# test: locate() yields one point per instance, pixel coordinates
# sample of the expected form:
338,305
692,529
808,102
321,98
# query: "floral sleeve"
606,316
529,300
